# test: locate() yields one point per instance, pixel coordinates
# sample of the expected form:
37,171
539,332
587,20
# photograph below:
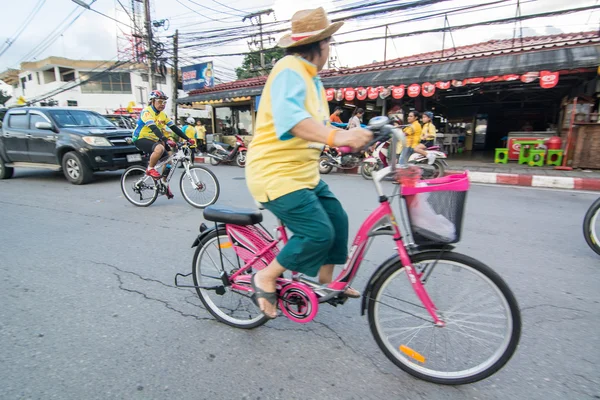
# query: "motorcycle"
331,157
379,160
224,153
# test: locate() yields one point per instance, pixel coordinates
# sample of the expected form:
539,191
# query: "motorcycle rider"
428,133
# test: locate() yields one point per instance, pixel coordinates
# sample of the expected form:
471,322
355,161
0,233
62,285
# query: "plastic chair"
536,158
447,144
501,156
554,157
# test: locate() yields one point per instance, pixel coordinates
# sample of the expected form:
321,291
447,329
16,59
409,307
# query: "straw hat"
309,26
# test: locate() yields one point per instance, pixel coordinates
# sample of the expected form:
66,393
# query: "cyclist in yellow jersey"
150,135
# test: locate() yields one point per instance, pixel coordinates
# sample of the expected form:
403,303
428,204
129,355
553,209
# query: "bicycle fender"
389,263
204,231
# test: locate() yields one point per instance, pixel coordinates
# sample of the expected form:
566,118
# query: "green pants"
319,225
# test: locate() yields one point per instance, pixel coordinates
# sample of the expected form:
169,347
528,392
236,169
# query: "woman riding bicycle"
282,169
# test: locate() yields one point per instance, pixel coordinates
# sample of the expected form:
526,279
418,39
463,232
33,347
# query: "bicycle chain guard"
298,302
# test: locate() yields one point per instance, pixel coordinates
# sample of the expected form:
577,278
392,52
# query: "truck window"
18,121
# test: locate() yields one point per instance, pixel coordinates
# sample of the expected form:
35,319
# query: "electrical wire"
9,42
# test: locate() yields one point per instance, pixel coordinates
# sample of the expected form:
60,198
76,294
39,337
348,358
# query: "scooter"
331,157
379,160
224,153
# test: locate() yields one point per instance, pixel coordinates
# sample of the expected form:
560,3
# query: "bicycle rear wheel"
200,187
230,306
481,315
591,226
137,187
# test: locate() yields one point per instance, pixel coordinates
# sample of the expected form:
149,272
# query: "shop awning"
222,96
552,60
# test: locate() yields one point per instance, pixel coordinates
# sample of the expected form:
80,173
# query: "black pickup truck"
76,141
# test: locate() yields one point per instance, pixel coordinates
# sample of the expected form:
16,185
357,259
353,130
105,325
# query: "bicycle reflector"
412,354
225,245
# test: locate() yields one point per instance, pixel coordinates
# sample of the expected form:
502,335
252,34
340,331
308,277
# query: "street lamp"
81,3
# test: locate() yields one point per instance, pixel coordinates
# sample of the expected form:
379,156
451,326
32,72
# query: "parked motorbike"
331,157
379,160
223,153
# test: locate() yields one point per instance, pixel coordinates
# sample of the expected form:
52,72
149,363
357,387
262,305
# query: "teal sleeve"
288,93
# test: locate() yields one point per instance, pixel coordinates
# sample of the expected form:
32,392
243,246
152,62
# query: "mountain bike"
591,226
198,185
439,315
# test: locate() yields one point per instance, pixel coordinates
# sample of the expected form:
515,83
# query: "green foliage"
251,64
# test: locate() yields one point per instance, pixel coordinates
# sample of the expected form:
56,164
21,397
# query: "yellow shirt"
429,131
279,163
189,131
148,117
200,132
413,134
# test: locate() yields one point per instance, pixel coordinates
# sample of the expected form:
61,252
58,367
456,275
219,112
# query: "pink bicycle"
439,315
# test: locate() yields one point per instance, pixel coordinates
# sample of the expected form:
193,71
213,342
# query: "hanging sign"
398,92
548,79
511,77
414,90
491,78
198,76
361,93
457,83
339,94
474,81
443,85
372,93
428,89
330,94
350,94
529,77
385,92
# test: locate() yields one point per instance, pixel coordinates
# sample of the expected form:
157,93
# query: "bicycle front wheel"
230,306
137,187
199,187
591,226
481,316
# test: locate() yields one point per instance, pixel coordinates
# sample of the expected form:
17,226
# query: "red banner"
361,93
414,90
428,89
350,93
548,79
529,77
330,94
372,92
443,85
398,92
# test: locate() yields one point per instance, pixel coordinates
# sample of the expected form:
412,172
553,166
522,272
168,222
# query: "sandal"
352,296
271,297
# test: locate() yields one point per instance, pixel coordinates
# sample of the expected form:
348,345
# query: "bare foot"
268,308
351,292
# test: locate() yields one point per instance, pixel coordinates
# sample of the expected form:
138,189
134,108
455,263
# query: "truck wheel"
5,172
75,169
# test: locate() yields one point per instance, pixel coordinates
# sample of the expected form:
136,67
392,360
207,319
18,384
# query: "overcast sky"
93,36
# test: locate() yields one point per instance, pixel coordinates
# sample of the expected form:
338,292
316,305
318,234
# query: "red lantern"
330,94
443,85
350,94
428,89
511,77
361,93
474,81
529,77
548,79
414,90
398,92
372,93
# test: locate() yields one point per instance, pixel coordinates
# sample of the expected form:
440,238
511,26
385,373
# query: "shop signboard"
198,76
350,93
510,77
475,81
385,92
372,92
428,89
339,94
361,93
529,77
330,94
414,90
398,92
515,148
443,85
548,79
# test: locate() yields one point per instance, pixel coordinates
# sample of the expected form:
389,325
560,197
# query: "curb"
494,178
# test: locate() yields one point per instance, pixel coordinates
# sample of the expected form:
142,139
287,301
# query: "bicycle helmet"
190,121
157,94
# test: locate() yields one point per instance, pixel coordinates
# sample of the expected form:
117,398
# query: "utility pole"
175,74
149,50
385,46
259,15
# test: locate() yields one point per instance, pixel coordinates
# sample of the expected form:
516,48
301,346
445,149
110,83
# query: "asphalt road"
88,309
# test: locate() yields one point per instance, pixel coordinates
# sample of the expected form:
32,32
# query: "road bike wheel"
481,315
200,187
137,187
232,307
591,226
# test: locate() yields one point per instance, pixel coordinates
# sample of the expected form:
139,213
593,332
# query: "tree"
251,64
4,97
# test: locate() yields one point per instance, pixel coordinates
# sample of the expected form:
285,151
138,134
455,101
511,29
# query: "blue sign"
198,76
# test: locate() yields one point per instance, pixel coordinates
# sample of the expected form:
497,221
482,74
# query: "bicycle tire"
209,304
142,170
212,176
589,224
493,277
